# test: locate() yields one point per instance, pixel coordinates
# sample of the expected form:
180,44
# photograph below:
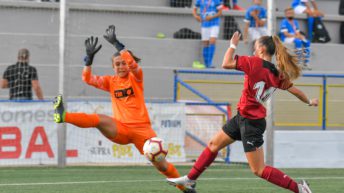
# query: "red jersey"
260,81
127,97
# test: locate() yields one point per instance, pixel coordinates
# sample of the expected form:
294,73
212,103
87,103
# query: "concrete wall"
130,2
301,149
327,6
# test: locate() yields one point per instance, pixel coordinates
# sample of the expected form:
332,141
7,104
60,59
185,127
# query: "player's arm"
4,83
289,35
299,35
247,25
100,82
302,96
228,61
284,29
218,14
245,37
262,20
37,88
255,15
4,80
111,37
195,15
297,31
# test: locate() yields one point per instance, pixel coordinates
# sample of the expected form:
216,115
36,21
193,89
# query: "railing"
323,98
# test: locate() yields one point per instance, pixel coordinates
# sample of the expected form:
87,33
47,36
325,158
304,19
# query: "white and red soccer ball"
155,149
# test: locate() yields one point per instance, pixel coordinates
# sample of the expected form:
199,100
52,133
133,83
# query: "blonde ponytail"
286,62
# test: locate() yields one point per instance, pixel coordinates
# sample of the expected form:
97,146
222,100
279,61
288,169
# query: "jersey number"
261,95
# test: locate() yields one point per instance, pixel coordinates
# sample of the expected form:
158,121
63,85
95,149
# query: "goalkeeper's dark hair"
137,60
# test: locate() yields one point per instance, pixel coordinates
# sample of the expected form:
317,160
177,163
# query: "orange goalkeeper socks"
82,120
172,172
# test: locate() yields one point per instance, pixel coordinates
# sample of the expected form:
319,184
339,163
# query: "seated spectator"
255,20
304,7
290,33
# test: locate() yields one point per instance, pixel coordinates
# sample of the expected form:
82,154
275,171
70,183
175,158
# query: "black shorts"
249,131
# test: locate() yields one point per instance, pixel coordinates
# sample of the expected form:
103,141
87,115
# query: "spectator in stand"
304,7
20,78
255,19
208,13
290,33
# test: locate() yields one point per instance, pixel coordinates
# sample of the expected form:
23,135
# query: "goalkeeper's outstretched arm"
100,82
126,55
87,76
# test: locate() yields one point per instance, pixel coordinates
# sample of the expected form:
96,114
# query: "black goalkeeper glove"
91,50
110,36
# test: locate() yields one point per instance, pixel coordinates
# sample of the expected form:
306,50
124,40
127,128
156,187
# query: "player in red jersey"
261,79
131,122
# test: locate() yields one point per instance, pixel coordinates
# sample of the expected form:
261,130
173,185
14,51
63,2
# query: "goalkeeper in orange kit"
131,122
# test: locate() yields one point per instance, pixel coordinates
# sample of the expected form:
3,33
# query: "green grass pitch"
145,179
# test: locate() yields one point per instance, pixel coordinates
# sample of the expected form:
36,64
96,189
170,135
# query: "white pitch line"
80,182
132,181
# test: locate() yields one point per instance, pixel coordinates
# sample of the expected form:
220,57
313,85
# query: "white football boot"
303,187
184,181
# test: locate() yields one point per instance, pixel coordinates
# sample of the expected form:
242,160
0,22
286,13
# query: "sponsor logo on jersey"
124,92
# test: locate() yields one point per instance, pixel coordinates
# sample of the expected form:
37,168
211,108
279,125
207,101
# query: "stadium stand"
137,27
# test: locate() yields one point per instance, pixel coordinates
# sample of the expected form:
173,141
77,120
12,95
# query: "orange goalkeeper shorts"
136,134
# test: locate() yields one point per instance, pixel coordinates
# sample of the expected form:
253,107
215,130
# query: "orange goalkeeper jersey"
128,104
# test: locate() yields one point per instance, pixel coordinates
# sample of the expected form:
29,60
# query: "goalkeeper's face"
120,66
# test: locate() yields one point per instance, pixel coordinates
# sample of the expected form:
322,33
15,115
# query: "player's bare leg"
256,161
107,126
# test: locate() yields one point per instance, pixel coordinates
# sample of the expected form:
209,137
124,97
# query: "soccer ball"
154,149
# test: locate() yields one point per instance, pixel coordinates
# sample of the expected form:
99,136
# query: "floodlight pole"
61,130
271,17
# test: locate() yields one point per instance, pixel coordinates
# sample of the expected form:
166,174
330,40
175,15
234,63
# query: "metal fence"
225,86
